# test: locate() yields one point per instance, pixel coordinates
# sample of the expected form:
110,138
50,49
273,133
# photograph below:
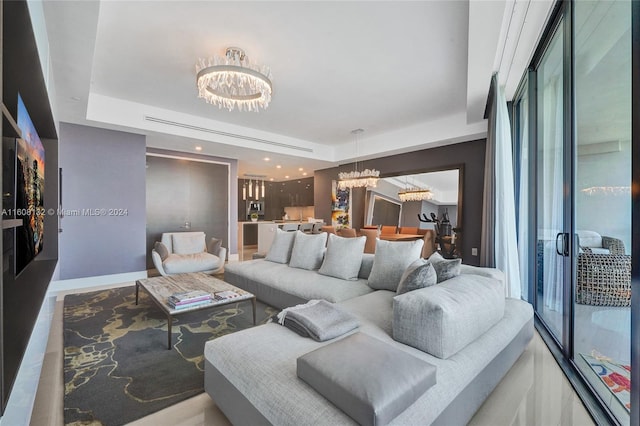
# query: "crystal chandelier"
367,178
233,81
415,194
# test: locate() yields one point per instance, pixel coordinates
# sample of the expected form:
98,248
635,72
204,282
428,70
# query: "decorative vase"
254,219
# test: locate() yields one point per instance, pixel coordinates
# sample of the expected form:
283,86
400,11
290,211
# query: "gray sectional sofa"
463,326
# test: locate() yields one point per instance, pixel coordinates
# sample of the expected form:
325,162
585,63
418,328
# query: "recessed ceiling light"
300,169
267,159
304,174
278,166
286,177
198,148
271,179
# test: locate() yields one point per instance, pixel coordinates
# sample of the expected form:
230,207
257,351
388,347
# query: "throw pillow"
161,249
188,243
308,250
445,268
343,257
419,274
280,250
390,261
214,246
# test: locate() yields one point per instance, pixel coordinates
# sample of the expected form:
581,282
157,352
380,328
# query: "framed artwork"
340,207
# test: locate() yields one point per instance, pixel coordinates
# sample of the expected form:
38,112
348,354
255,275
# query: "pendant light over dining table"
367,178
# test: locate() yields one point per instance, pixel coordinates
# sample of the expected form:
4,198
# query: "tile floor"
534,392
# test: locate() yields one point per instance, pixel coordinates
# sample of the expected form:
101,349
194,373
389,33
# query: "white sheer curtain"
502,231
506,250
552,187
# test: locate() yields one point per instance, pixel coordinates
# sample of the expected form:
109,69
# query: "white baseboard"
103,280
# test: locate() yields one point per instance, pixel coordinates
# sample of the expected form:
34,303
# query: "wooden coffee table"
160,288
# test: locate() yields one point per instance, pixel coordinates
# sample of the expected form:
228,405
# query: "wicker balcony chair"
604,279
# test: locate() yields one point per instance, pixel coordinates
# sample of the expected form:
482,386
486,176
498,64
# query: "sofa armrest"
157,262
222,254
442,319
615,245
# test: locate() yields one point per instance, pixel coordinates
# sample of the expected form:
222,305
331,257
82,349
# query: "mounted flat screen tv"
29,200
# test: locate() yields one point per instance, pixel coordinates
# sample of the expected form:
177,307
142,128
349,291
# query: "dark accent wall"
103,196
469,154
186,196
232,247
21,296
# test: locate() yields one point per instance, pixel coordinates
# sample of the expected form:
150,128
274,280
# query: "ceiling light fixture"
233,81
414,193
198,148
367,178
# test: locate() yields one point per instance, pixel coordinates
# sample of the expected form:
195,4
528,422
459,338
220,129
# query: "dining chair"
347,233
372,237
409,230
328,229
388,229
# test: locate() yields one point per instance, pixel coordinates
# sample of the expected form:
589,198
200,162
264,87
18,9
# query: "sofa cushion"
418,275
445,268
589,238
195,262
354,374
343,257
444,318
188,243
390,261
161,249
214,245
280,250
308,250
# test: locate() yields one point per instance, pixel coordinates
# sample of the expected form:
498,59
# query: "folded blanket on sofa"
318,319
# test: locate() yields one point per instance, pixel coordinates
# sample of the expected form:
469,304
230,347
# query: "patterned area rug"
615,376
116,364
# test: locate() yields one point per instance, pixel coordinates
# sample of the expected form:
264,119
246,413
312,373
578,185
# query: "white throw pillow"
188,243
390,261
343,258
308,250
280,250
589,239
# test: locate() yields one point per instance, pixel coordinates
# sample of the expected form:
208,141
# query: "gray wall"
232,247
101,169
181,191
468,154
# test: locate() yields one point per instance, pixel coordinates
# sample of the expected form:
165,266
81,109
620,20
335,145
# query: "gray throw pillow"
161,249
280,250
308,250
343,257
214,246
419,274
390,261
445,268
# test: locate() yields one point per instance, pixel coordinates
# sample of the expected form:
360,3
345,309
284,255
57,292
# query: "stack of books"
189,299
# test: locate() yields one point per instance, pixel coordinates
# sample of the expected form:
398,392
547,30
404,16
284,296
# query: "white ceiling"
397,69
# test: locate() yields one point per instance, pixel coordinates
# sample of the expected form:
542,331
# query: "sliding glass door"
602,200
550,171
572,139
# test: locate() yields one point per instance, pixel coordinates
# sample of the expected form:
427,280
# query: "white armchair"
183,252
